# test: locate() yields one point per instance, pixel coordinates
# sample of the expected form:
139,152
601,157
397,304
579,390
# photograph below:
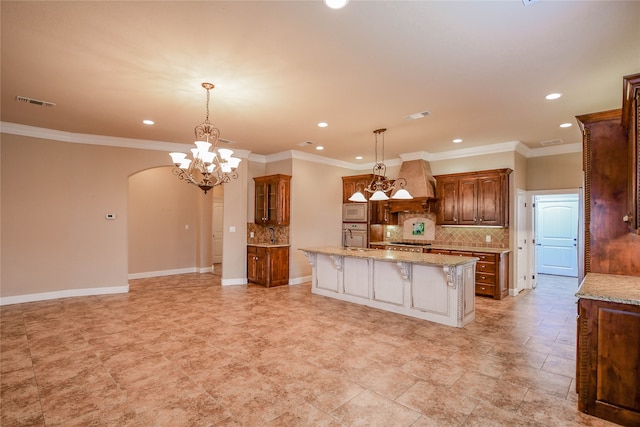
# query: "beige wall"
554,172
159,240
316,211
54,232
55,235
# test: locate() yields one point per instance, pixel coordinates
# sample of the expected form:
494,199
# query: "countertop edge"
394,256
610,287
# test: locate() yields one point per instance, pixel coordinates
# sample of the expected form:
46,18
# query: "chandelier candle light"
380,185
208,168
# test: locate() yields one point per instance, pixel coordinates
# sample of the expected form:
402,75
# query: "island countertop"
610,287
387,255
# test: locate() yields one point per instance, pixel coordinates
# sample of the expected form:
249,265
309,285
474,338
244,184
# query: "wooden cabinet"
492,271
353,183
268,265
631,122
608,361
380,213
473,198
272,199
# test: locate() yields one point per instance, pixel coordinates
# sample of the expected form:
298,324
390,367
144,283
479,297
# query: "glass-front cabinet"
272,199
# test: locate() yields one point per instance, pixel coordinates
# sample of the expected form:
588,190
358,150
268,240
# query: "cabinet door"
272,199
260,212
448,201
490,200
278,266
252,272
468,201
261,266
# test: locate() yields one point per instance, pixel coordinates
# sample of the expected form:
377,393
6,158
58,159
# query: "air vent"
416,116
35,101
306,144
552,142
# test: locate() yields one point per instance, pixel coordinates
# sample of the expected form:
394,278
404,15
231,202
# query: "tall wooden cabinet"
272,200
473,198
608,347
631,123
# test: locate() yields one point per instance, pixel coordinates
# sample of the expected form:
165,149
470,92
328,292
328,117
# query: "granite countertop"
456,248
394,256
610,287
269,245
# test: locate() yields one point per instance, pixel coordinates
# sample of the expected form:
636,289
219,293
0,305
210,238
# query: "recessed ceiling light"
359,157
148,122
566,125
336,4
323,124
319,148
457,141
553,96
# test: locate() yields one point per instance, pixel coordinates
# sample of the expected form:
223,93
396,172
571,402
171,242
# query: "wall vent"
35,101
552,142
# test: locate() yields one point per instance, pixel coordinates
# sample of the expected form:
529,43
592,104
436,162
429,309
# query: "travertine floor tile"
184,351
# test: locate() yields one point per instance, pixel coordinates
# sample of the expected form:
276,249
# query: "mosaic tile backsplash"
455,236
262,234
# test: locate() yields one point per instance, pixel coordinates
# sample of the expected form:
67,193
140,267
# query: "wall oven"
355,235
354,212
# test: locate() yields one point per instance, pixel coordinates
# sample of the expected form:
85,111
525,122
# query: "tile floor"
184,351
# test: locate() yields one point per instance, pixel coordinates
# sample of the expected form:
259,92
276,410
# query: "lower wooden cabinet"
608,361
492,271
268,265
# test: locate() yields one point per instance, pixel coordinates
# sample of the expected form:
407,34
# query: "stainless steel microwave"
354,212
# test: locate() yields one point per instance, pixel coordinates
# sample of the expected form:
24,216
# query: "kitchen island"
434,287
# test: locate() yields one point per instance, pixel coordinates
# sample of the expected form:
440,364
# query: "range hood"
420,184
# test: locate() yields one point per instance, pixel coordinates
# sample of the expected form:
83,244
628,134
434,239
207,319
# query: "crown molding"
89,139
112,141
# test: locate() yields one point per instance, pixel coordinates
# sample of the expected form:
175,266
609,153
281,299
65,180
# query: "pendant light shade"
380,185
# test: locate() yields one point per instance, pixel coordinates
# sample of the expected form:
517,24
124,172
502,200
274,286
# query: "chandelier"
207,168
380,185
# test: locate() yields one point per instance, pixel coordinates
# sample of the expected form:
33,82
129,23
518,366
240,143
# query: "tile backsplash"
455,236
262,234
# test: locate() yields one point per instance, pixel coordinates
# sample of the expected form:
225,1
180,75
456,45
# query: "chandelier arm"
206,169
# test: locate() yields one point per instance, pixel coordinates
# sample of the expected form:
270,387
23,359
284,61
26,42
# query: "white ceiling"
480,68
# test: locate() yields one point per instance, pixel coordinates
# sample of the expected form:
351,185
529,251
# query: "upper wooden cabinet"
353,183
473,198
380,213
631,122
272,199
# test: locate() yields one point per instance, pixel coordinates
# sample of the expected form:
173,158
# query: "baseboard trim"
234,282
68,293
299,280
159,273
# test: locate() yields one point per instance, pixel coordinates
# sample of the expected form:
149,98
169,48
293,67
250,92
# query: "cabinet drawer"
482,289
251,249
484,257
485,278
486,267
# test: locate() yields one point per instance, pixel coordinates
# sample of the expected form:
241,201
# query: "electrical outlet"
487,238
252,234
388,234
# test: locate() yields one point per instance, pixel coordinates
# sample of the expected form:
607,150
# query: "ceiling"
482,69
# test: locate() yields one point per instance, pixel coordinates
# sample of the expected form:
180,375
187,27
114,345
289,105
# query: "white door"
556,218
218,215
522,267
